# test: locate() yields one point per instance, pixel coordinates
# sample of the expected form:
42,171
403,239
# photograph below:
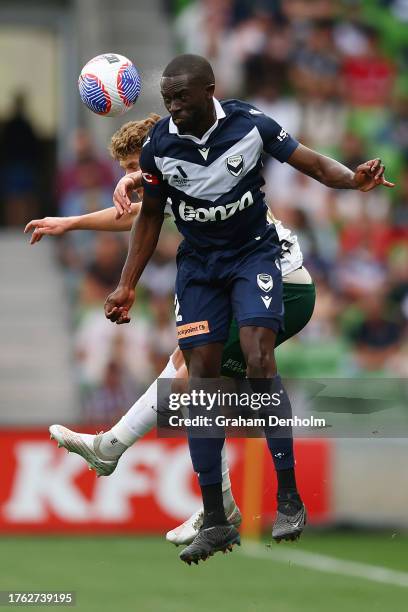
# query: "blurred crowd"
333,74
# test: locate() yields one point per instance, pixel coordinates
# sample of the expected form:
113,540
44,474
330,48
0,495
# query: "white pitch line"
324,563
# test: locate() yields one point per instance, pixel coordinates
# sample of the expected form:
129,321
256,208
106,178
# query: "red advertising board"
45,489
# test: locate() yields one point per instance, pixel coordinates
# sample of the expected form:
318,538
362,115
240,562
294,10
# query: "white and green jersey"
291,258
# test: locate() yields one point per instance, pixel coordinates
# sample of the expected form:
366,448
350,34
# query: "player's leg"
216,533
258,347
204,315
258,309
204,362
187,531
299,299
103,451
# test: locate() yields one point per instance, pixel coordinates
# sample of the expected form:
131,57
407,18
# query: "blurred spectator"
391,136
305,10
85,172
349,35
286,188
162,337
202,28
359,273
376,338
98,343
265,81
317,241
400,123
103,272
205,27
315,64
160,273
106,403
400,209
19,156
398,291
399,9
84,184
323,325
352,152
369,76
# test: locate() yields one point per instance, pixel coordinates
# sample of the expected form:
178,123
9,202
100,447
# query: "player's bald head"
195,67
187,88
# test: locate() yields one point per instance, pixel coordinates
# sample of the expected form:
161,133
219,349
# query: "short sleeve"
276,141
152,178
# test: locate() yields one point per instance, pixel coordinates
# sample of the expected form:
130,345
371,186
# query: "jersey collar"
173,129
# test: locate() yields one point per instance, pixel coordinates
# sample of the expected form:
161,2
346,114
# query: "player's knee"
255,364
260,363
204,363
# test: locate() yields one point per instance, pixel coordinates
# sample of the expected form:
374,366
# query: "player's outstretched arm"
101,220
334,174
142,243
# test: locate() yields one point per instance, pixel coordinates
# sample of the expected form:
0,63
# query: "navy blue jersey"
213,184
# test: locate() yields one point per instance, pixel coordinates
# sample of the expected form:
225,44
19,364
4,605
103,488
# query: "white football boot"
86,446
187,531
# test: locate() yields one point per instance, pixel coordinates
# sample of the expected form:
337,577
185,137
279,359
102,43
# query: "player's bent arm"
334,174
142,243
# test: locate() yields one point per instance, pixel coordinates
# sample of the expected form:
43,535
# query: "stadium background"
334,75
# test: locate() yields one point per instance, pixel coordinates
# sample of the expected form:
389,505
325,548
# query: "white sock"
227,496
140,418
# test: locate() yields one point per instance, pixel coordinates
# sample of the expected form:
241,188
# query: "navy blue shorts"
212,287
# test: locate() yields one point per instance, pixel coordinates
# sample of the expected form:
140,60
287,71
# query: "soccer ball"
109,84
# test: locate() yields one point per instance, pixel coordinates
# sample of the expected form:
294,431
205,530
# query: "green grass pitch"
144,574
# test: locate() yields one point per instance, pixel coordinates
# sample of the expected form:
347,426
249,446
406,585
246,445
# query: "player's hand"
371,174
118,304
51,226
123,192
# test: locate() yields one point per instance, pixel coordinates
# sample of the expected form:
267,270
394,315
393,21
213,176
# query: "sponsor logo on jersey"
253,111
235,164
181,179
265,282
152,179
282,135
193,329
214,213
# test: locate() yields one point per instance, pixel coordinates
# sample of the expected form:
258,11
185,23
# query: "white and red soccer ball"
109,84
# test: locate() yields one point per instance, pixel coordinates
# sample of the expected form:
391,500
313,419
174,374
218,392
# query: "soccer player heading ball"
206,160
206,157
103,451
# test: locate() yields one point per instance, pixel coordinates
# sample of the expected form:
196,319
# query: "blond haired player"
103,451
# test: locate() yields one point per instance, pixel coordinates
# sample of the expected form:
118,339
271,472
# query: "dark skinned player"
206,157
